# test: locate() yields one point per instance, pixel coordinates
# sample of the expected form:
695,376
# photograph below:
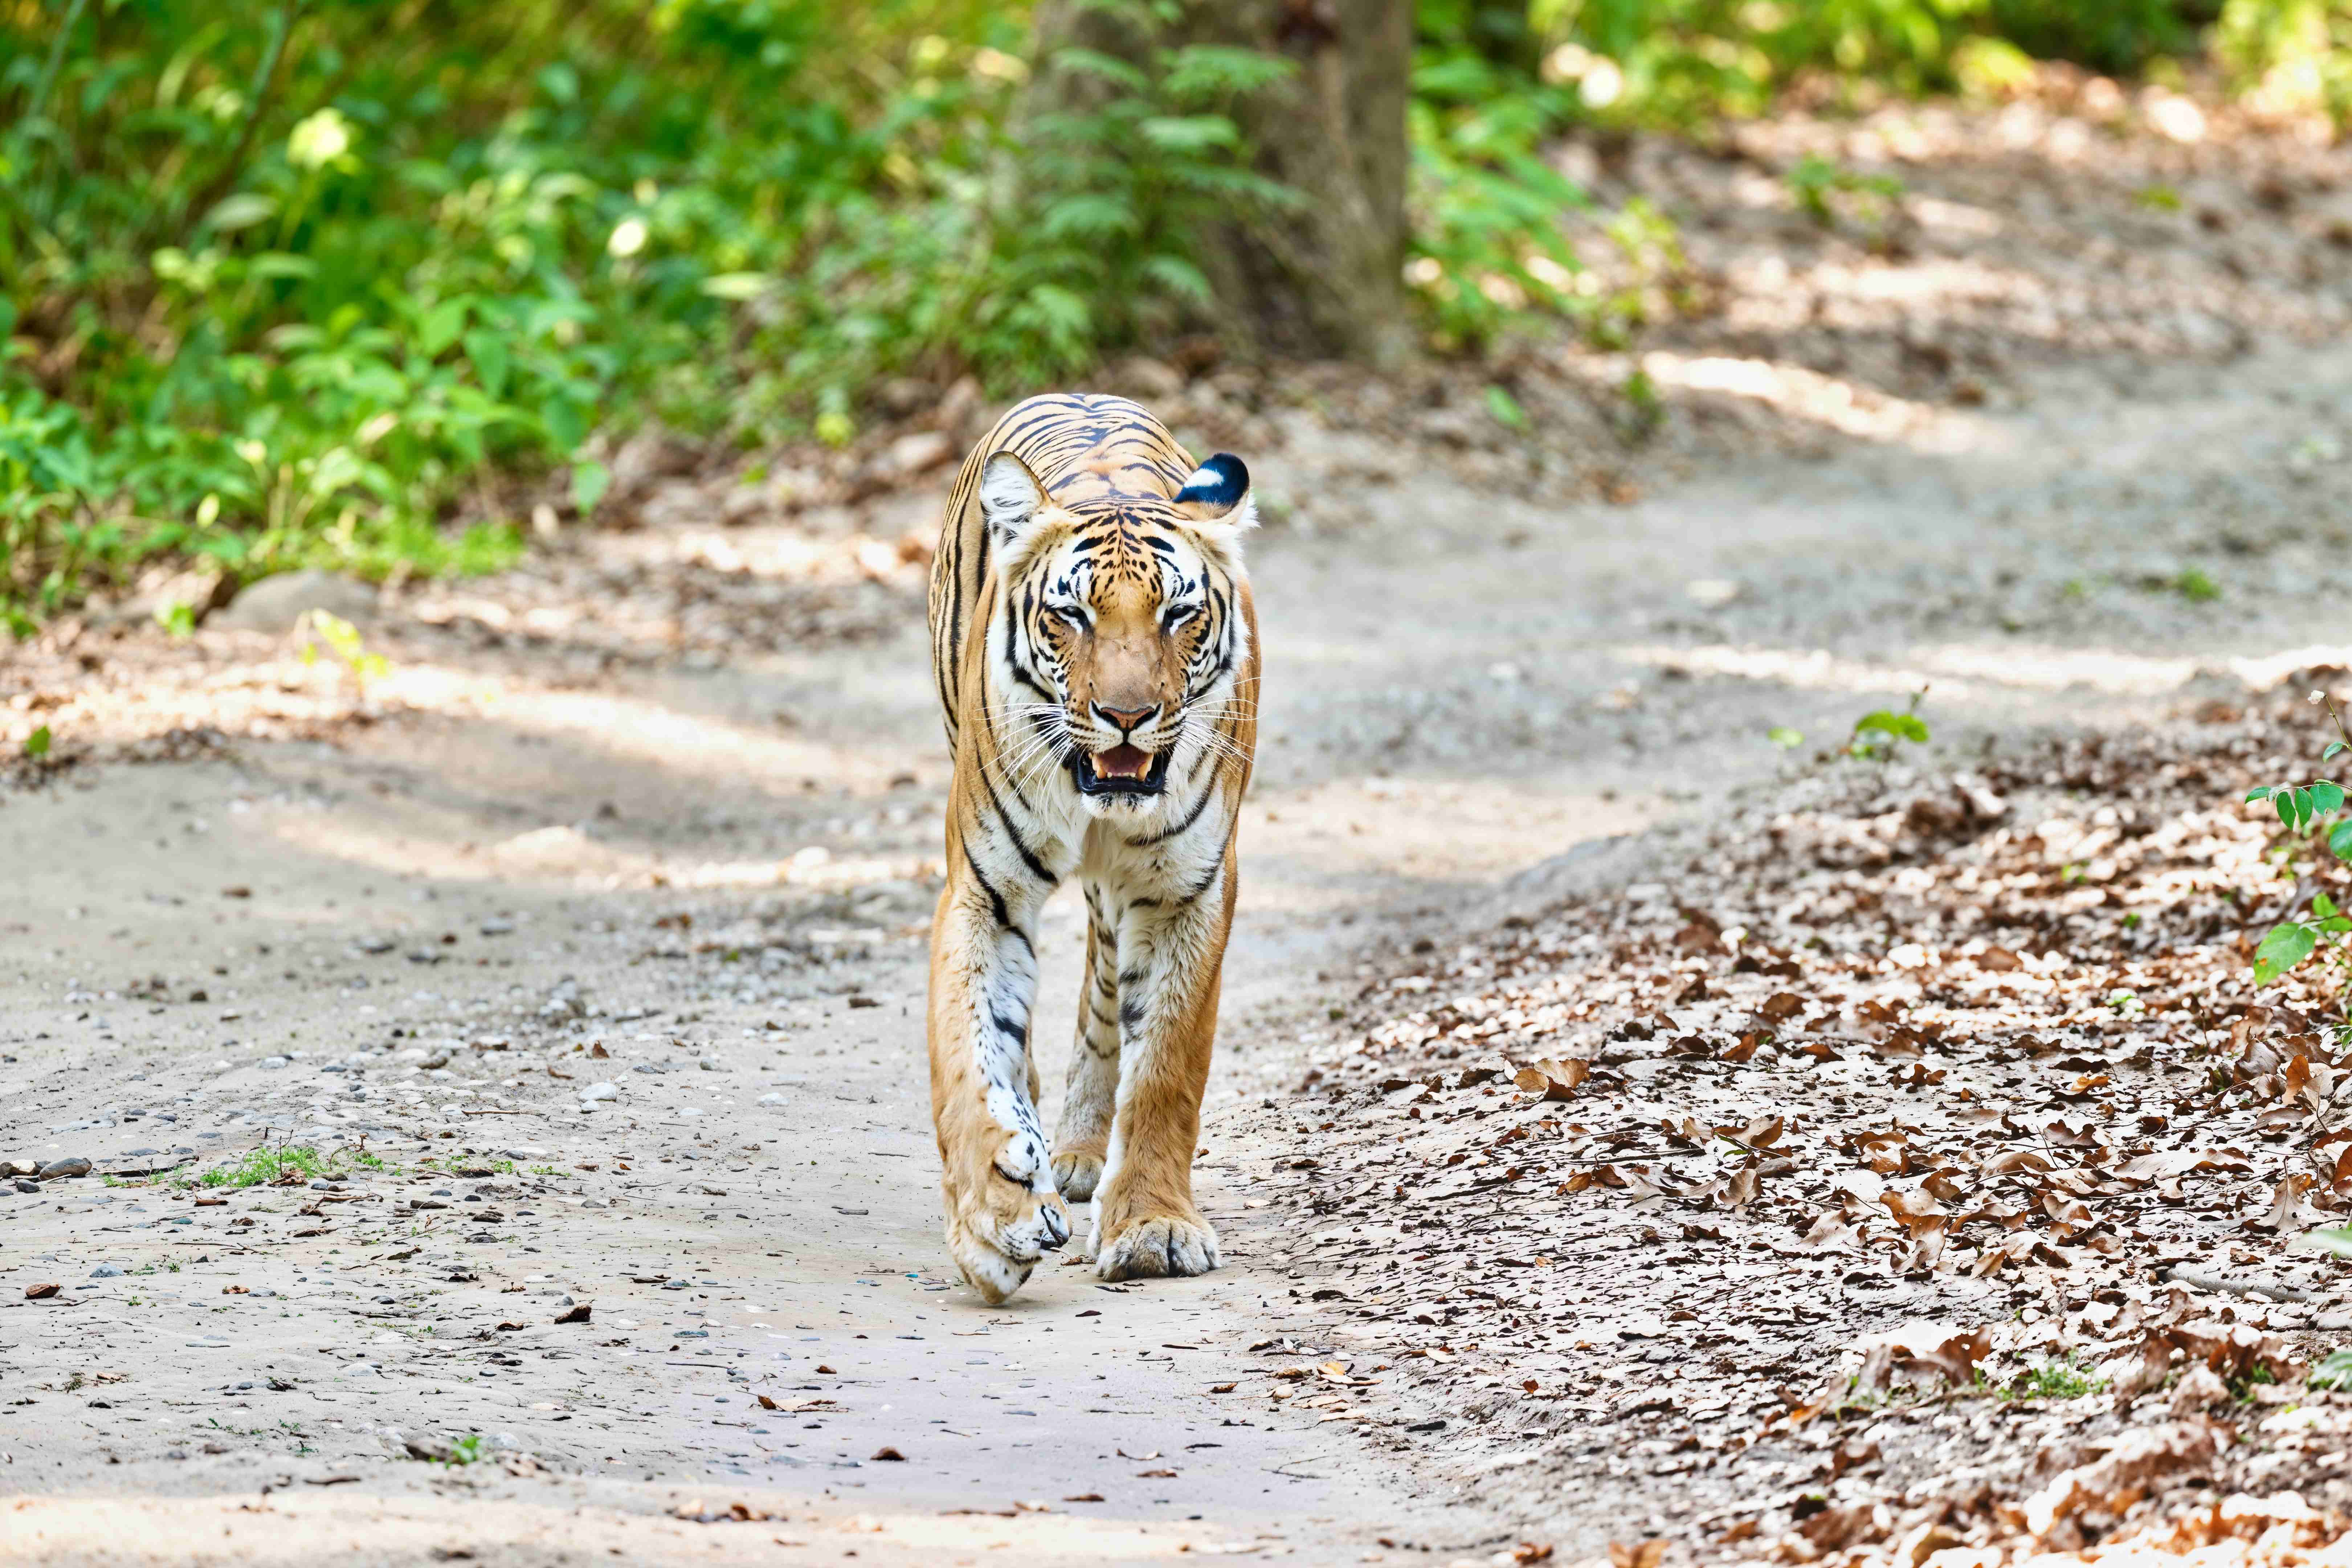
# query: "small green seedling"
344,641
2334,1371
1878,735
2301,807
2059,1379
1814,180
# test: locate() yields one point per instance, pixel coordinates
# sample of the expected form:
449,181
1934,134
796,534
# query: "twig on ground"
2233,1286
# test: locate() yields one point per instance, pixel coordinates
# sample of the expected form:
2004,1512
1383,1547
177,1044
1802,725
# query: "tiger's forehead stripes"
1122,538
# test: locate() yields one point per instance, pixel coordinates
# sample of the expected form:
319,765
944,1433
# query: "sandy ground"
552,848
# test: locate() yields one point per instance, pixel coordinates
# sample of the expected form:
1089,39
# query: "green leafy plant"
1506,411
1877,735
2334,1371
1814,179
1488,244
2295,56
1684,62
262,1166
344,641
283,284
2059,1378
2303,808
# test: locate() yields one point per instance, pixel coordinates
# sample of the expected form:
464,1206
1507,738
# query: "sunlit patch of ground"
306,1524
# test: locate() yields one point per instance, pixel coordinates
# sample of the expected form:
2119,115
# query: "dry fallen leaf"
1938,1348
2116,1480
1552,1079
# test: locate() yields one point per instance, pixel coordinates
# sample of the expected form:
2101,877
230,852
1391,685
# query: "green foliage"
1487,245
286,1163
2293,54
1684,62
1504,409
2060,1377
282,279
2335,1371
2196,588
1878,735
344,641
2301,808
1094,251
1814,180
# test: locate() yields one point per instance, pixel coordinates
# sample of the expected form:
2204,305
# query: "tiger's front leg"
1090,1094
1172,958
1002,1212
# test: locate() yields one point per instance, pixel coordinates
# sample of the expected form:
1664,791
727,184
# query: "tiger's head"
1123,629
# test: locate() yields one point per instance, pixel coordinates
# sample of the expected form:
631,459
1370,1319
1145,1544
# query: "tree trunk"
1324,278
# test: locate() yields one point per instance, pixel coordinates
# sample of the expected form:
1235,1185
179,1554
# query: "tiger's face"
1124,631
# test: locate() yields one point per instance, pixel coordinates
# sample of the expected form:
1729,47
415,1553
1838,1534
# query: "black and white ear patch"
1217,485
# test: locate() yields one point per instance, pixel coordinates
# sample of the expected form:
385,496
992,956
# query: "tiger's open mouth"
1122,770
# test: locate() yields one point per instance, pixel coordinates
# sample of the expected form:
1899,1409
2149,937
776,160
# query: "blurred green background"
286,282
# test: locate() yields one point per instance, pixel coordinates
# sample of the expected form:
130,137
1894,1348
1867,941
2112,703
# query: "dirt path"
704,886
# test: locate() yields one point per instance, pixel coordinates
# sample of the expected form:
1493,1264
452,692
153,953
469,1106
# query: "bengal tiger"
1094,646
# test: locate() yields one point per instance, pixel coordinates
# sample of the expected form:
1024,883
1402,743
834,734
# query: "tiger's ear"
1216,501
1011,501
1219,491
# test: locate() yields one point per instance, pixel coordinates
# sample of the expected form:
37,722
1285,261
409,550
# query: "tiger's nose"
1127,718
1057,1227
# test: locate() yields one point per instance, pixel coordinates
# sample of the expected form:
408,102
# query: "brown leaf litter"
1904,1174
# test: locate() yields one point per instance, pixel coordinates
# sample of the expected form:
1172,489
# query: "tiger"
1095,646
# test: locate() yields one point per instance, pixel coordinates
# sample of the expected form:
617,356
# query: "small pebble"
72,1165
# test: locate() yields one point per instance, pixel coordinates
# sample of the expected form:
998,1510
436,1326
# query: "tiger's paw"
1157,1246
1077,1173
999,1224
987,1268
